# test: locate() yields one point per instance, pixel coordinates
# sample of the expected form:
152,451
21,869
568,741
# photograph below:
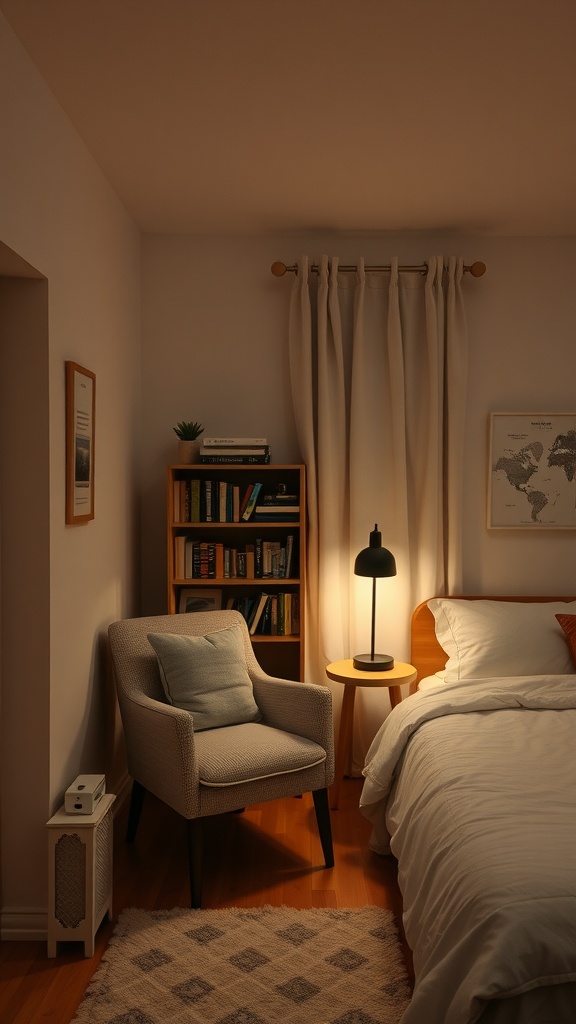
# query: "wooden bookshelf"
224,546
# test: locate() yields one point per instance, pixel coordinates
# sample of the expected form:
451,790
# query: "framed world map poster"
532,471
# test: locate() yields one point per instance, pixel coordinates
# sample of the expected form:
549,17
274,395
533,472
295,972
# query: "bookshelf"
217,558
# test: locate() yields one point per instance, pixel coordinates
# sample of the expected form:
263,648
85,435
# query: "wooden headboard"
425,652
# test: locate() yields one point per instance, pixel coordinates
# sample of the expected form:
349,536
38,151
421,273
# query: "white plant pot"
188,452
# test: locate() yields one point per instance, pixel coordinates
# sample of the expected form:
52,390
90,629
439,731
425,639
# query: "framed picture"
199,599
80,415
532,471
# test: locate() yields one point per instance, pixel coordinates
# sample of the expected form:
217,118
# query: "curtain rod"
476,269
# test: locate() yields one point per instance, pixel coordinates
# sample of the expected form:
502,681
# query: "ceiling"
272,116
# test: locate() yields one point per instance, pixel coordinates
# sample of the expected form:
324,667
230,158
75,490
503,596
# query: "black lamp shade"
374,561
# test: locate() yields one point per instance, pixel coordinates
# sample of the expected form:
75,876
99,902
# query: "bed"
471,784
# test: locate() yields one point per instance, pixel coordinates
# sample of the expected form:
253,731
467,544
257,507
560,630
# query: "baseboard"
23,924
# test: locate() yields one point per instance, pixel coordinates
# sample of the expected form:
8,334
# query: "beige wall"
215,349
64,584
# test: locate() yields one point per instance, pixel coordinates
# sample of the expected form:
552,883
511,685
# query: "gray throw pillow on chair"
207,676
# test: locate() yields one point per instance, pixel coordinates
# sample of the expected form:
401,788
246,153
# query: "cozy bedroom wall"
214,349
62,588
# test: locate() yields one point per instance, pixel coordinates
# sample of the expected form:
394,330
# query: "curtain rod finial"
278,269
478,269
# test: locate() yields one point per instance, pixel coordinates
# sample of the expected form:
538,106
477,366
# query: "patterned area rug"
250,966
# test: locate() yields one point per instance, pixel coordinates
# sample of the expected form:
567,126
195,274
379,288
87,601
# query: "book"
176,500
184,501
245,497
189,558
236,503
195,500
274,614
282,509
233,442
179,556
251,503
277,513
235,460
276,517
295,614
257,612
258,557
256,450
208,511
289,555
222,501
249,561
271,554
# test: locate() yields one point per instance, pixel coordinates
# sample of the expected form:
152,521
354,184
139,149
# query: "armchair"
287,752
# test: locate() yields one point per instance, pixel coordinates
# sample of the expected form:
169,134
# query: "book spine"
195,500
262,599
258,558
251,503
180,557
235,460
176,500
255,450
234,442
289,555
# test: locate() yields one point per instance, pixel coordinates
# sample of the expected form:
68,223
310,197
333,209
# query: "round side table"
344,672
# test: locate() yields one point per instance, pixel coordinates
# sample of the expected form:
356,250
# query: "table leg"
344,748
395,695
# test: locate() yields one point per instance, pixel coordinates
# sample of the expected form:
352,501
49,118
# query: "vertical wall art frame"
532,471
80,422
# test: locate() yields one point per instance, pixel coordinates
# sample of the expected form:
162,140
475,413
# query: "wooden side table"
344,672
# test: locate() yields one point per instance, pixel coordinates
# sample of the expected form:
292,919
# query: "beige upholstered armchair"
239,738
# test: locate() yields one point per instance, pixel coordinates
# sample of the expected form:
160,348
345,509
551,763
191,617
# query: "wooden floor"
269,854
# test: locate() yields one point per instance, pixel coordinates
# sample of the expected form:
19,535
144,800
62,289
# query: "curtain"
378,368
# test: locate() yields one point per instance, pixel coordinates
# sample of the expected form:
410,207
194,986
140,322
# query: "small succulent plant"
188,431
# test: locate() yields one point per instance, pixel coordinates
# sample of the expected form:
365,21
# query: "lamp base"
373,662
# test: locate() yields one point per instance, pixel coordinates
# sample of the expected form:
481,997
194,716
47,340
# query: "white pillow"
485,639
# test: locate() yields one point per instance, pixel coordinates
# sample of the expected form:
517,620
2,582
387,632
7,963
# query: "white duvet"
473,788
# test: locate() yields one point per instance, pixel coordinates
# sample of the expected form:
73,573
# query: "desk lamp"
374,561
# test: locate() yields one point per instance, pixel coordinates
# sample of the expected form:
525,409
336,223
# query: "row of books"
207,559
269,614
221,501
235,450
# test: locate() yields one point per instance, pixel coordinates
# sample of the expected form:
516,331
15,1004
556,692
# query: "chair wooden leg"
136,801
322,808
194,826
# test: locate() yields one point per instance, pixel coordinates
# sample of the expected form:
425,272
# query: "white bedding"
472,787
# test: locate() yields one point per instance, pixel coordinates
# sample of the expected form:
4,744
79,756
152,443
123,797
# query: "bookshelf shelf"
218,559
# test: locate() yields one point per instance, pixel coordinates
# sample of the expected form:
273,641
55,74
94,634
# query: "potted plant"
188,433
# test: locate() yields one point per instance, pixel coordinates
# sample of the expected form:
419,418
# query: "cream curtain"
378,365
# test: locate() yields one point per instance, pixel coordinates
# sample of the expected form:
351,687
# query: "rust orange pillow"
568,623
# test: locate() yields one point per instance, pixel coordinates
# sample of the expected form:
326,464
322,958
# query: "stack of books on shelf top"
242,451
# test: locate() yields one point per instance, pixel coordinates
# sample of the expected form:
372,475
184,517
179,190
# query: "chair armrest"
161,755
301,708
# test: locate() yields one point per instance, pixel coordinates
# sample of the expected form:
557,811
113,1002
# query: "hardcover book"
235,460
233,442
